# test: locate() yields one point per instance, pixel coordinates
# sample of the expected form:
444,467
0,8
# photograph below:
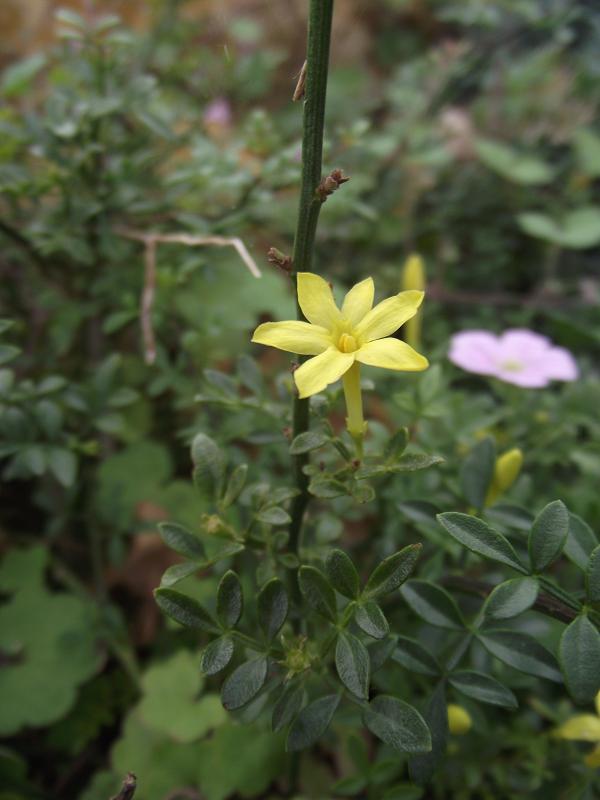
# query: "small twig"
127,789
330,184
300,85
150,241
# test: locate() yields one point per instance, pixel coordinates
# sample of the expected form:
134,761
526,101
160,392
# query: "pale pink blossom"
517,356
218,112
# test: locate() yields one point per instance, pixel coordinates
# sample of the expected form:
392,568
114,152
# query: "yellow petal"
580,728
294,337
318,372
593,759
389,315
359,301
598,703
316,300
391,354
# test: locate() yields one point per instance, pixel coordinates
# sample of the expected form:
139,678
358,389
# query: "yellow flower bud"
507,469
459,720
413,277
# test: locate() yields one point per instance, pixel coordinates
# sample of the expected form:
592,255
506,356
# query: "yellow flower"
341,339
506,472
459,720
413,277
584,728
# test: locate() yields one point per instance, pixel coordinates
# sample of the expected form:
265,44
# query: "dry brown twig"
128,788
150,241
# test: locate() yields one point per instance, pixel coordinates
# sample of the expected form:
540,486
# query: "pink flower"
516,356
218,112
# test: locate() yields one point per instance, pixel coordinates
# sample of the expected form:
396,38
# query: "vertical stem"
317,58
353,395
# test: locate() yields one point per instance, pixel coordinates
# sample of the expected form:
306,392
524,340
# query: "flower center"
347,343
512,366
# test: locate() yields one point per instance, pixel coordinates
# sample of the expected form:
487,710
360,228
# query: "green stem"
317,58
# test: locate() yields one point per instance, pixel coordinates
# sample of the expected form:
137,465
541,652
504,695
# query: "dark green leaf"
475,535
579,654
235,484
548,535
63,465
342,573
185,610
414,657
182,541
511,598
380,651
433,604
273,516
217,655
522,652
312,722
477,472
244,683
250,374
483,688
422,767
209,465
272,607
371,619
352,664
392,572
396,445
592,577
580,541
287,706
397,724
307,441
177,572
229,600
317,592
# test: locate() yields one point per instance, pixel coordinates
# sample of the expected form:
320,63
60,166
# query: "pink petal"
474,351
519,344
560,365
530,377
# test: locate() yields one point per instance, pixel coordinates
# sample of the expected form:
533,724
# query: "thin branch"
127,789
150,242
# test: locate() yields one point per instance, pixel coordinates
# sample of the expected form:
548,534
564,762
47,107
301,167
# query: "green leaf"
511,598
380,651
250,374
312,722
414,657
397,724
185,610
230,601
522,652
177,572
244,683
318,592
235,484
182,541
286,706
63,465
273,606
342,574
209,465
579,655
396,445
392,572
352,664
217,655
307,441
8,352
587,150
371,619
592,577
477,472
274,516
578,229
483,688
548,535
513,165
422,767
433,604
580,541
478,537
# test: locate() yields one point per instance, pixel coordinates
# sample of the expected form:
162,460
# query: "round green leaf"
511,598
229,600
244,683
397,724
312,722
317,592
182,541
548,535
273,607
217,655
392,572
579,654
185,610
342,573
475,535
371,619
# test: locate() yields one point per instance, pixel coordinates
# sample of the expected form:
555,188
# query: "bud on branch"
330,184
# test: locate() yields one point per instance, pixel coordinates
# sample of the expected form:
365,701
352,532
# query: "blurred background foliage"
470,131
